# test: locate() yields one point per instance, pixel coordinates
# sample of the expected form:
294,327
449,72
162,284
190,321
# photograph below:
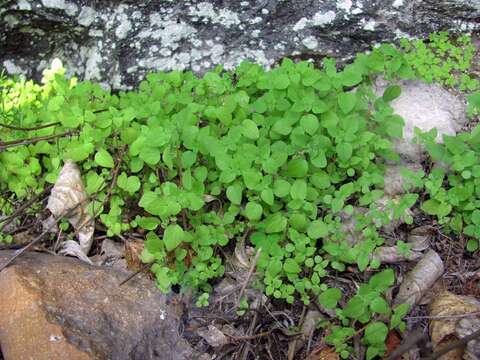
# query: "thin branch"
131,276
454,345
31,128
259,335
7,144
443,317
249,275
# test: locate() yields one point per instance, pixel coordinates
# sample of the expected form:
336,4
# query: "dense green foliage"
278,157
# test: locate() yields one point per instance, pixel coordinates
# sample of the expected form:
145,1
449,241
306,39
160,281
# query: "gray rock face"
117,42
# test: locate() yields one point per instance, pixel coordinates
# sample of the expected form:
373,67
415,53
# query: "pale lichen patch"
24,5
344,5
397,3
319,19
369,25
70,8
12,68
310,42
124,25
86,16
207,12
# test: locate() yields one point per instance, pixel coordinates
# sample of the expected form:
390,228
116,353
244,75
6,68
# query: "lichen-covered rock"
56,307
117,42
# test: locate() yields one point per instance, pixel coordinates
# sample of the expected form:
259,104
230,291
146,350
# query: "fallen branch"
7,144
31,128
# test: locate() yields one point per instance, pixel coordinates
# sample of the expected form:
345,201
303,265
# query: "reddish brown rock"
60,308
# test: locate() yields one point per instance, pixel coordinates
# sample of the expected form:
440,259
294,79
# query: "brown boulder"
56,307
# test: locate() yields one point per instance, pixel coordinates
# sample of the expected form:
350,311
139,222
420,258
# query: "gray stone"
117,42
213,336
59,307
394,182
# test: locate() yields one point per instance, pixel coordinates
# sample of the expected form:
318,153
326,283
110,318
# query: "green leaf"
398,313
351,76
55,103
382,281
355,308
309,123
150,155
275,223
290,266
282,127
476,217
281,81
376,333
250,129
78,152
317,229
330,297
472,245
281,188
347,102
253,211
153,243
234,194
298,221
297,168
267,196
130,184
391,93
434,207
299,190
173,236
380,306
103,158
344,151
188,159
147,222
319,161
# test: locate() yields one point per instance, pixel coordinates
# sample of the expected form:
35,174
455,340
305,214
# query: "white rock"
425,106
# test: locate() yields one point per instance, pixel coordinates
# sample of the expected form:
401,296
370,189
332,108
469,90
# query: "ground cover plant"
276,158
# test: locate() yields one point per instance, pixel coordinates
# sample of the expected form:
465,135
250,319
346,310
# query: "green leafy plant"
368,306
278,158
443,59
